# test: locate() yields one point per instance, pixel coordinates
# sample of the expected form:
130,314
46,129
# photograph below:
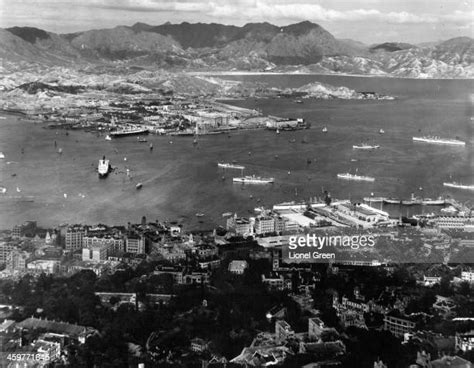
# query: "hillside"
300,47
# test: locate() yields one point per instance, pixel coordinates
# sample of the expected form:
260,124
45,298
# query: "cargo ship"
348,176
459,186
103,168
230,166
127,132
365,146
253,180
438,140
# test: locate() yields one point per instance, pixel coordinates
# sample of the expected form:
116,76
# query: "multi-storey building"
74,235
5,249
277,282
398,326
135,244
283,330
16,260
264,225
239,225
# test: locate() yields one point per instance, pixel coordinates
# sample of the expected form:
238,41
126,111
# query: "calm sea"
181,179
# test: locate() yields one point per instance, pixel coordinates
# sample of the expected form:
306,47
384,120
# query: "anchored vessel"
230,166
253,180
348,176
127,132
364,146
438,140
459,186
104,167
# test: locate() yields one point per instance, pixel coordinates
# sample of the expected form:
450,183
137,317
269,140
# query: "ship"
438,140
364,146
374,199
103,168
459,186
433,202
348,176
230,166
127,132
253,180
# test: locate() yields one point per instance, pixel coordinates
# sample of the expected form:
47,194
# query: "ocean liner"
438,140
253,180
230,166
348,176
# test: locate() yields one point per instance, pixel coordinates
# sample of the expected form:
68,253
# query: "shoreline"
245,73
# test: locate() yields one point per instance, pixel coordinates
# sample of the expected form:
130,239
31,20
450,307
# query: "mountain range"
301,47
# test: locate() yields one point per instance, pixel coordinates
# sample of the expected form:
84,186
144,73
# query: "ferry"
230,166
253,180
103,168
348,176
364,146
375,199
127,132
459,186
438,140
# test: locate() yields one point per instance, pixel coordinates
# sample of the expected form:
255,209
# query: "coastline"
245,73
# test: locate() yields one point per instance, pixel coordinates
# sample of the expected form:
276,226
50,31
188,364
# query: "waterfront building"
464,223
74,235
240,225
264,225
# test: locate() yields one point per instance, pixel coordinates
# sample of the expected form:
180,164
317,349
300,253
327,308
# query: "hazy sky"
368,21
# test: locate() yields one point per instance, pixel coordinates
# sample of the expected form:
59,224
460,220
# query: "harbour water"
182,179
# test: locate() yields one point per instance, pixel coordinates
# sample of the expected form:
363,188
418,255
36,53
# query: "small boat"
3,190
65,195
142,140
18,189
364,146
108,138
139,186
170,142
227,214
450,209
381,131
299,101
151,146
277,131
325,130
292,140
226,165
2,155
199,214
60,151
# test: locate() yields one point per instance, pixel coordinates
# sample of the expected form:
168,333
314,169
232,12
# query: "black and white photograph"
236,183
